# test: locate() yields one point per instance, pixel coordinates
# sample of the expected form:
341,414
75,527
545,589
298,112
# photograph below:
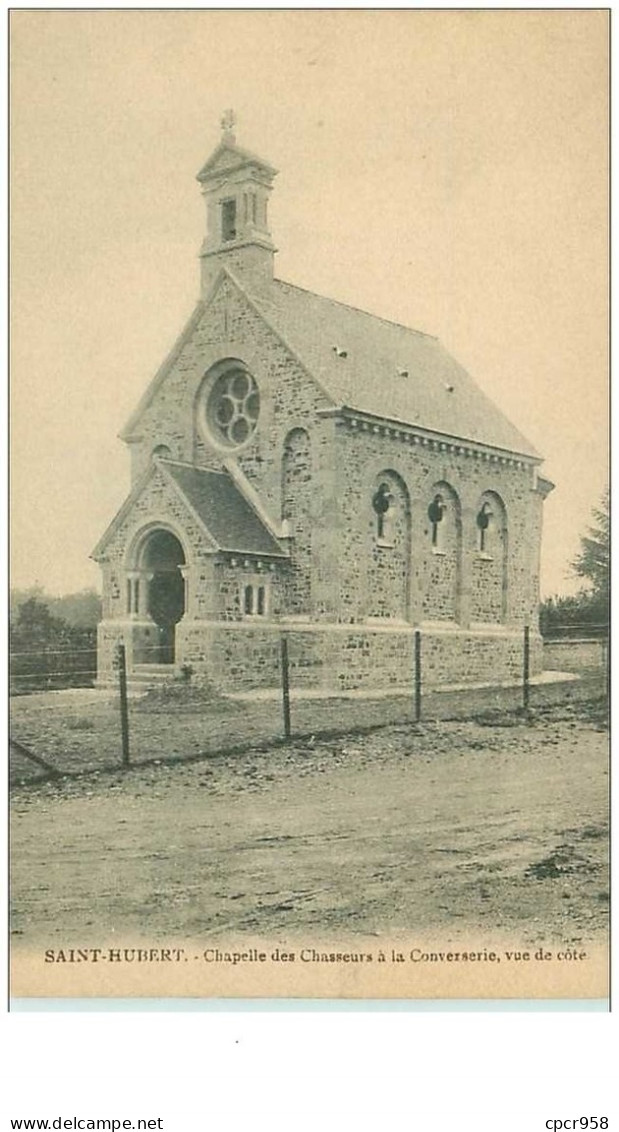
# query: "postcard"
310,528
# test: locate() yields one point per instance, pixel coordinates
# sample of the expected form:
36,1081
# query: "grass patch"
594,832
81,723
181,696
563,862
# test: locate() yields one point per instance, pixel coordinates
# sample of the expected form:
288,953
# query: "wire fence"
578,631
66,666
77,728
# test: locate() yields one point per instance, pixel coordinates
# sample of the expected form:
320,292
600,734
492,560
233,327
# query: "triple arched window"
434,546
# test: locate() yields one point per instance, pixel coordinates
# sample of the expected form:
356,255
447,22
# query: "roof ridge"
358,310
251,497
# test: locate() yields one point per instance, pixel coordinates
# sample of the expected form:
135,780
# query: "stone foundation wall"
109,635
244,658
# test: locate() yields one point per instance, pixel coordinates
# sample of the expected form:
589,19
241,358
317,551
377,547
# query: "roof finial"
228,122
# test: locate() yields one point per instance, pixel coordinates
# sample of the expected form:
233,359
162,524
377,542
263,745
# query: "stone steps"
142,677
149,675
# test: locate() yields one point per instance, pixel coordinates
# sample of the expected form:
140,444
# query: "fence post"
417,675
285,687
526,667
124,712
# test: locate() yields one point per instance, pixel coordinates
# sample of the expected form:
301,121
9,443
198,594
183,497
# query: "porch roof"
220,505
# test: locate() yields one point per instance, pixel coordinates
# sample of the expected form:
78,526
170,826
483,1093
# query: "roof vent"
341,353
449,388
402,373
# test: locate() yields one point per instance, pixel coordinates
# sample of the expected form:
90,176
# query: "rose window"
233,406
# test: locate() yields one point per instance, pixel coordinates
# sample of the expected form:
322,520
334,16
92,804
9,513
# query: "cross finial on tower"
228,122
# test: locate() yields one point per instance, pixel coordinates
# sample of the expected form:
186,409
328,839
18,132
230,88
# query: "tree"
35,626
47,652
82,610
588,610
593,562
20,597
582,613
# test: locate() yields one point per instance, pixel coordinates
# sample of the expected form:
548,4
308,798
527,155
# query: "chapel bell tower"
236,186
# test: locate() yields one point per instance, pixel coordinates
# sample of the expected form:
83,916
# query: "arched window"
489,575
389,548
162,452
436,511
382,502
443,561
484,520
228,219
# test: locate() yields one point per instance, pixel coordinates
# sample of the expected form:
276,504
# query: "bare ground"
79,730
497,825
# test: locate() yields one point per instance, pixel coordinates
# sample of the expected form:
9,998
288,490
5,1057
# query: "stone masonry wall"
158,505
289,400
363,454
230,583
487,591
441,558
388,549
239,657
489,575
321,475
297,495
440,597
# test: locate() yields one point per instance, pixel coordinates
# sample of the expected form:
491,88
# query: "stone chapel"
300,466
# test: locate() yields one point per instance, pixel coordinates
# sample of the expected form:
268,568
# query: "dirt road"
453,826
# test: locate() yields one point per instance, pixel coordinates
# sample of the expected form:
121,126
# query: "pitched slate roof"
229,519
223,509
436,394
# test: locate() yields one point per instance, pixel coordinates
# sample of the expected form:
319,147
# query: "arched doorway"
161,559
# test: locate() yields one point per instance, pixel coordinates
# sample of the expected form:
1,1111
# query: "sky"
444,169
